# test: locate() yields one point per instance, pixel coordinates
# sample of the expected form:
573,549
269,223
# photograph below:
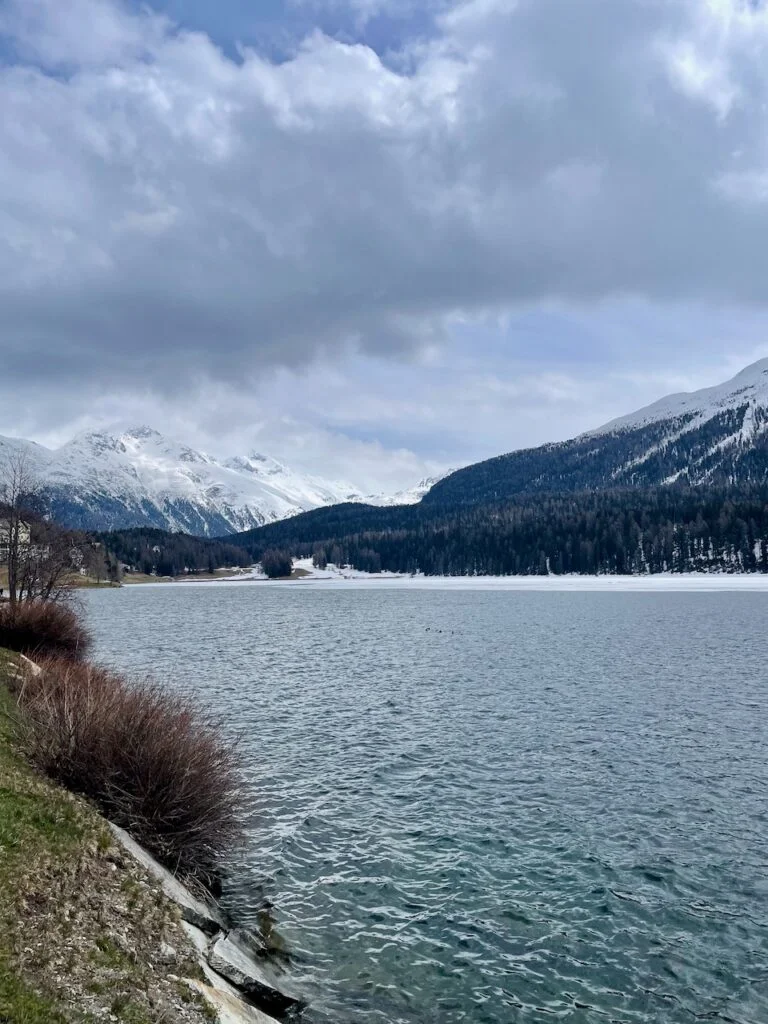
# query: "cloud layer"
162,200
171,215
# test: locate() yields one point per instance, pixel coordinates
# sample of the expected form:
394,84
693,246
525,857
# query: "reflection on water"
488,807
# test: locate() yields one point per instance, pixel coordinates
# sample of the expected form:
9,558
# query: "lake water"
488,806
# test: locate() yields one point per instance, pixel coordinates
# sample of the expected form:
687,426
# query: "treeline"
156,552
328,522
665,529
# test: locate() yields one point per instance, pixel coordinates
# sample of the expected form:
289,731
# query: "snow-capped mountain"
715,435
101,481
748,388
718,435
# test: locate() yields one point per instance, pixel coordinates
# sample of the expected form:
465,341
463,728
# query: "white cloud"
80,33
702,76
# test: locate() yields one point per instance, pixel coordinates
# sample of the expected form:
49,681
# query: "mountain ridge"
101,480
716,435
750,383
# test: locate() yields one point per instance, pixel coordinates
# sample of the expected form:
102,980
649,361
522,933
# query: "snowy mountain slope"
749,386
718,435
103,481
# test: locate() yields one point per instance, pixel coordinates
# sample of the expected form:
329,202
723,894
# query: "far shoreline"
306,575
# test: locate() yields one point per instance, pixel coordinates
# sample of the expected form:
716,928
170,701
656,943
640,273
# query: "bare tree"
47,568
40,556
17,484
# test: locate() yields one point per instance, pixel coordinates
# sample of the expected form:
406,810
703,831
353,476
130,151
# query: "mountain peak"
114,439
256,463
748,385
95,440
755,370
142,433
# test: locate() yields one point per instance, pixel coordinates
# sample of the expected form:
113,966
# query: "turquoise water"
488,807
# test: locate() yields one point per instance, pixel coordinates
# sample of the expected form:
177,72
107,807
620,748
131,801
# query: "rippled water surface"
489,807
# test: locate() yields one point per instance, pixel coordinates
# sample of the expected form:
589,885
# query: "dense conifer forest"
157,552
663,529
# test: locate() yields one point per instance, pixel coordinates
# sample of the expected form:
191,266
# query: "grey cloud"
499,384
166,210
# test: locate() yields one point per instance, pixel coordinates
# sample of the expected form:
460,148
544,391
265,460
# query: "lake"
487,806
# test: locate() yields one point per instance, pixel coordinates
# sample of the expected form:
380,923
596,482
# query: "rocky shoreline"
239,982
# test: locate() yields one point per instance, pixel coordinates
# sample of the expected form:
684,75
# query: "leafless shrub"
150,759
42,628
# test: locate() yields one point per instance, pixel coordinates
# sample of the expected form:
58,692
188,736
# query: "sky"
376,238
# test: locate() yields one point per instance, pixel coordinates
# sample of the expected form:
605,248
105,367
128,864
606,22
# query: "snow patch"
344,577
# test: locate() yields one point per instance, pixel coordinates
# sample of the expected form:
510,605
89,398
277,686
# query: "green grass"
33,817
37,822
127,1011
20,1005
109,954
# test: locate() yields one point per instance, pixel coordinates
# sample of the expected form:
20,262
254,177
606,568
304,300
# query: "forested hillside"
663,529
681,448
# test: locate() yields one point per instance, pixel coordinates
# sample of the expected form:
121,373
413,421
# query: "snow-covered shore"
334,577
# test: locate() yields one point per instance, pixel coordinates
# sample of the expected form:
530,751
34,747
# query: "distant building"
25,537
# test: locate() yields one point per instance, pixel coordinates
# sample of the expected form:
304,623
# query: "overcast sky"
375,237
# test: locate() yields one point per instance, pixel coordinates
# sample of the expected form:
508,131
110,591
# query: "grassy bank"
74,582
85,935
